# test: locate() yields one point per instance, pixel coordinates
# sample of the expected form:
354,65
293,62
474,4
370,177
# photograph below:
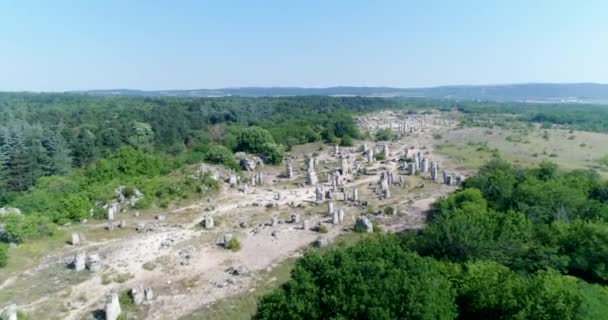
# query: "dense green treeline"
514,243
567,115
49,134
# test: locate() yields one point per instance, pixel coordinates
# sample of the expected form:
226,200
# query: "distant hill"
533,92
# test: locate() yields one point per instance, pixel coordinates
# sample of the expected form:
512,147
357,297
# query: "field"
472,147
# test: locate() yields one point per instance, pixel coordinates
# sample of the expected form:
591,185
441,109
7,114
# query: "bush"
346,141
321,228
3,255
220,155
18,228
273,153
385,135
233,244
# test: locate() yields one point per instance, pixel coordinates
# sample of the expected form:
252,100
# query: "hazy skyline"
77,45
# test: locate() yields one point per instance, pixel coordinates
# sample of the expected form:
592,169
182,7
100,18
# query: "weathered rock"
9,210
75,239
344,166
319,194
79,261
93,262
232,180
149,294
335,217
140,227
364,224
112,210
208,222
9,313
306,224
226,238
137,294
112,306
295,218
289,169
321,243
311,178
274,221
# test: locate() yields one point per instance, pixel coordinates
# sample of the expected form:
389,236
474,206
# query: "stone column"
112,306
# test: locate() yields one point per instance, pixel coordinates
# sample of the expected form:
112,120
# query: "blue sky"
68,45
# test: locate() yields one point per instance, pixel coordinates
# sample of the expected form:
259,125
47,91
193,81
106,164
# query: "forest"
513,243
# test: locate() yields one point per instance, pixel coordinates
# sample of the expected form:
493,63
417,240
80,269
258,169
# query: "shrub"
3,255
321,228
233,244
346,141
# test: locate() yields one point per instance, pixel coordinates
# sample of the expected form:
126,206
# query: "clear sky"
56,45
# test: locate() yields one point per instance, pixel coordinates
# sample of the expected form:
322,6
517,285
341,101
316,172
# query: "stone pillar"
341,215
425,165
112,210
370,155
311,163
386,152
80,261
75,241
274,222
335,217
208,222
305,224
336,149
387,193
330,207
94,262
312,177
319,194
226,238
137,294
112,306
289,169
355,195
411,169
344,166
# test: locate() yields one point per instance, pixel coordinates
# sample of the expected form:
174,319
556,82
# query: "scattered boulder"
208,222
160,217
295,218
137,294
93,262
9,210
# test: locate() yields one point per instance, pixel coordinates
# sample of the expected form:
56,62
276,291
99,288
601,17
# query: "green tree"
253,139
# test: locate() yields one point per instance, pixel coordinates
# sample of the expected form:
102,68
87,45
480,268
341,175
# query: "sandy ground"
183,285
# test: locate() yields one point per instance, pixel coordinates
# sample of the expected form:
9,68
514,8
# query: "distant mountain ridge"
529,92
